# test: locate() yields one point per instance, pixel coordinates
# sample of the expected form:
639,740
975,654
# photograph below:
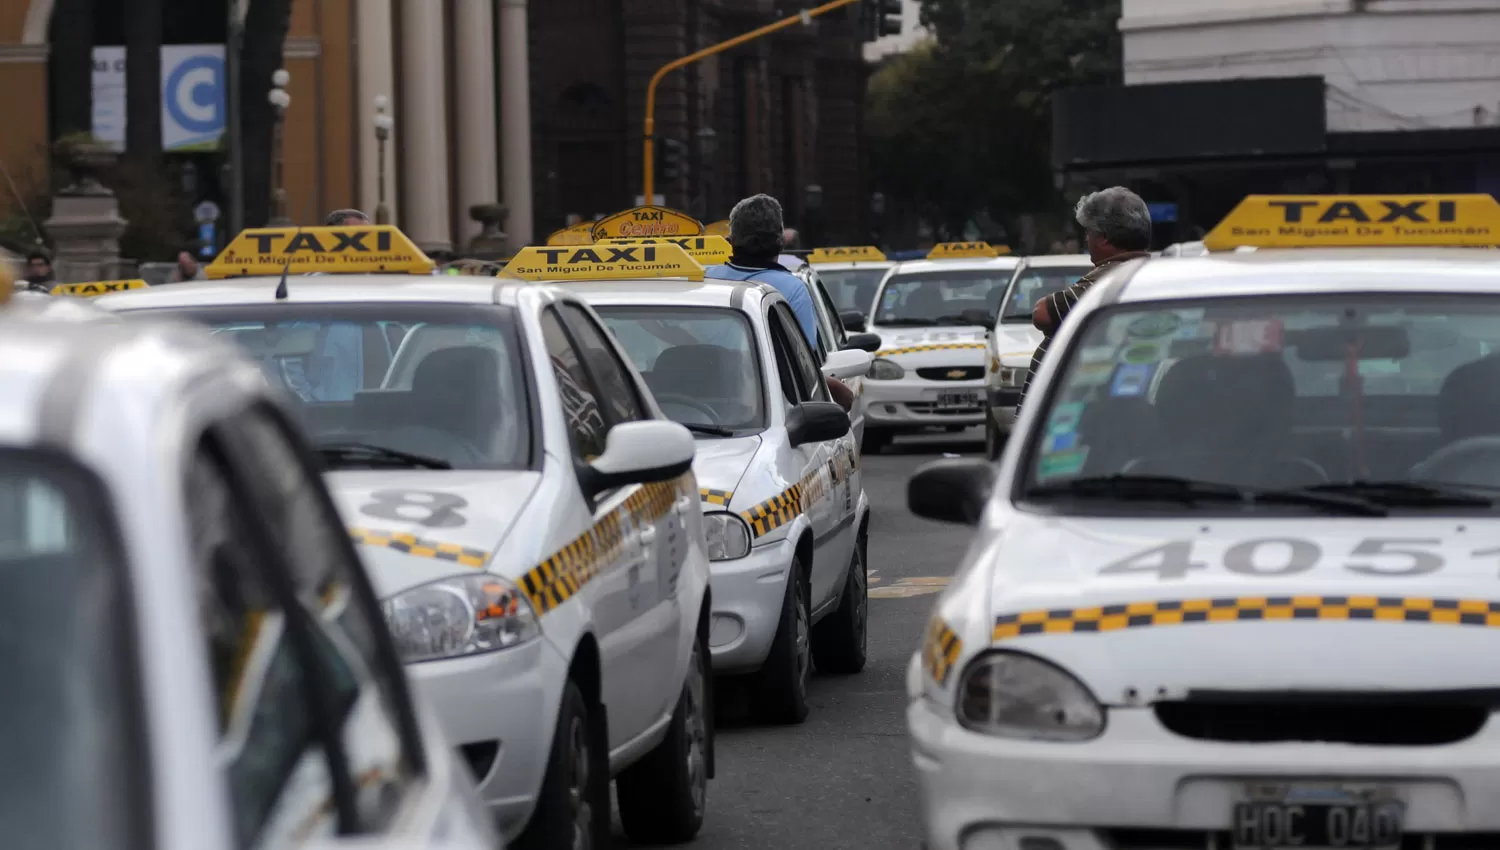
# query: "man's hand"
841,394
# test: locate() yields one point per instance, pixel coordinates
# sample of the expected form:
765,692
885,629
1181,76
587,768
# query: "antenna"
285,270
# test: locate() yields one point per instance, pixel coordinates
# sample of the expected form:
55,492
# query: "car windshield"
700,363
939,298
1337,394
852,289
441,384
75,754
1034,284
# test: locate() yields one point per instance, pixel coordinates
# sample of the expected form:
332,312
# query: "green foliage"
964,123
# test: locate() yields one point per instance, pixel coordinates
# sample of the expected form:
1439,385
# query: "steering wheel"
1474,461
688,401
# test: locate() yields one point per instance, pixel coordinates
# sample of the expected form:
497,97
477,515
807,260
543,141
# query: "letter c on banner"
194,94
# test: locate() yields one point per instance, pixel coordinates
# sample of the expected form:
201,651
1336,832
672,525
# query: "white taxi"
931,317
778,471
529,516
1012,339
194,657
1234,582
852,275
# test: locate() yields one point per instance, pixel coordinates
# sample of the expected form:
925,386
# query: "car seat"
712,375
455,396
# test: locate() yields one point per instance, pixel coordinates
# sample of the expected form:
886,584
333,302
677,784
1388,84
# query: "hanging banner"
193,113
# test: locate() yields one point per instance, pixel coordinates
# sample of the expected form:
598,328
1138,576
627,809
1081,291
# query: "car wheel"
572,810
662,796
874,440
781,695
839,640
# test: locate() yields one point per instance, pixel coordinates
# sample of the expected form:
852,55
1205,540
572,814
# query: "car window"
793,391
852,289
314,543
940,298
622,402
830,313
586,426
277,775
1033,284
808,375
1280,391
74,737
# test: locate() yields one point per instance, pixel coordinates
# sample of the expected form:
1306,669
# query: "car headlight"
462,615
1021,696
1012,376
885,370
727,535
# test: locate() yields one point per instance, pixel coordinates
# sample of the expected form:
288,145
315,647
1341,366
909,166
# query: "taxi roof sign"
705,250
857,254
578,234
366,248
964,250
718,228
96,287
603,261
646,221
1352,221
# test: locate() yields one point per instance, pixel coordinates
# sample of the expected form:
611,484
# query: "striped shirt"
1060,304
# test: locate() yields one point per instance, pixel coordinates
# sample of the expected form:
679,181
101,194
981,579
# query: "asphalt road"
844,777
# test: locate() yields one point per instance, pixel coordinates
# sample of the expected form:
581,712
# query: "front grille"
952,373
1191,839
931,409
1374,720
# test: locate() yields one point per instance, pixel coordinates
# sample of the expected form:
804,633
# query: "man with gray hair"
1117,225
343,218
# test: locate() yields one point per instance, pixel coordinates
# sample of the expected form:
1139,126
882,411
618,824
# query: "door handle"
648,536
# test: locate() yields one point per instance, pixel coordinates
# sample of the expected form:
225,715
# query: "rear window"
71,737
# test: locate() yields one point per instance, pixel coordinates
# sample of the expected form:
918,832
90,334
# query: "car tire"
662,796
572,810
781,692
874,440
839,641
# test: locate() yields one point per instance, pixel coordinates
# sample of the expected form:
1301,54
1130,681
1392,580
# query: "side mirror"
853,320
846,364
641,453
863,342
978,316
951,490
816,422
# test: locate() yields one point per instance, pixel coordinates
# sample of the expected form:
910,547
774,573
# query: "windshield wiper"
1408,494
369,454
1150,488
710,430
906,323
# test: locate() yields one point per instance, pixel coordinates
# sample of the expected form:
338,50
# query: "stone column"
515,113
474,79
377,76
422,119
85,225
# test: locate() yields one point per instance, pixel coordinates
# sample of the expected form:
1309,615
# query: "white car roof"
684,293
844,267
966,264
312,289
1045,261
1303,270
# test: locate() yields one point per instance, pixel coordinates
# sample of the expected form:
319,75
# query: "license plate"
969,399
1284,825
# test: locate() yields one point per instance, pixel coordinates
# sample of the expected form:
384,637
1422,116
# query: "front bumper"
747,606
1139,786
505,702
1003,404
912,402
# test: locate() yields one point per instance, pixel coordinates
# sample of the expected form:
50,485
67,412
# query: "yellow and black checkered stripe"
1138,615
775,512
936,346
556,579
940,650
715,497
408,544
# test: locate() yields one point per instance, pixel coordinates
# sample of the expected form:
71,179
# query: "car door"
839,339
614,594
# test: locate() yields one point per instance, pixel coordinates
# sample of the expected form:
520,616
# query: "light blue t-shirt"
791,287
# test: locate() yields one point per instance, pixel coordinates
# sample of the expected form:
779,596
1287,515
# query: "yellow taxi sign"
603,261
646,221
705,250
857,254
368,248
96,287
1350,221
963,250
718,228
578,234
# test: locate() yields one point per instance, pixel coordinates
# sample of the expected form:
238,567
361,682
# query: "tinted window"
700,362
440,381
939,298
75,771
621,401
808,375
580,401
1034,284
852,289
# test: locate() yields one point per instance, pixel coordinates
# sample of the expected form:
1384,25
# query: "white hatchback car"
194,656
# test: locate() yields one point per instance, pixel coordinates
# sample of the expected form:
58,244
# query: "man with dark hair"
39,276
342,218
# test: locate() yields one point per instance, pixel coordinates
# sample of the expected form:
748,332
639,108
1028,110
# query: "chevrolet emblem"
955,374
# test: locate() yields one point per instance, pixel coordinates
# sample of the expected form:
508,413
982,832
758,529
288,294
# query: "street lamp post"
383,125
280,100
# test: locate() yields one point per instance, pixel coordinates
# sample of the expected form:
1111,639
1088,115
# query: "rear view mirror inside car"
1374,342
275,341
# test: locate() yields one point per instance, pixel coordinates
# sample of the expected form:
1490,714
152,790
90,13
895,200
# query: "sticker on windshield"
1065,441
1154,326
1065,417
1132,379
1249,336
1062,463
1097,354
1092,374
1144,352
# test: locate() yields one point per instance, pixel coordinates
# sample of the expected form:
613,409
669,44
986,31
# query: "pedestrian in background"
1117,227
187,268
344,218
791,240
39,276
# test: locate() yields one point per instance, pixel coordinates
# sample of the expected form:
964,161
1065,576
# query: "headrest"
700,366
1223,400
462,366
1466,403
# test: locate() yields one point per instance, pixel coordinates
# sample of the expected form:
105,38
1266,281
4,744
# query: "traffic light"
887,17
672,160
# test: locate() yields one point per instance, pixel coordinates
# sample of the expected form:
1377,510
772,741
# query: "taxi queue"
1280,447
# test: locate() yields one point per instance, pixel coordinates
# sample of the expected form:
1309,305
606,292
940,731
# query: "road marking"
911,586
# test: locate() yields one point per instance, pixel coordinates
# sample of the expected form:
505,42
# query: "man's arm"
1041,319
807,316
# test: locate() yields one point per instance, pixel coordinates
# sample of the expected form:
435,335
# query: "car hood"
719,464
1305,629
399,550
931,346
1015,339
